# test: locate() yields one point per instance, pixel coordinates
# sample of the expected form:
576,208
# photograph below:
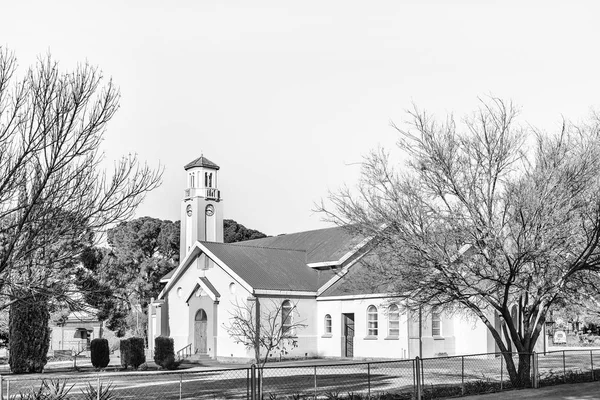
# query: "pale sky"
288,96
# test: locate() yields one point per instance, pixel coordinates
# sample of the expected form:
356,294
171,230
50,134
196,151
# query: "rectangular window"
436,322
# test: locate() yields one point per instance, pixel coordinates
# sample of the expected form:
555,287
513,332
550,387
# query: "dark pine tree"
29,334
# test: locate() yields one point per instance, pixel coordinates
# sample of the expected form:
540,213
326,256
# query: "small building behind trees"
74,333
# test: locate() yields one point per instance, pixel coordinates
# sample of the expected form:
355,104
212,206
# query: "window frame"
393,310
436,319
372,321
327,326
287,318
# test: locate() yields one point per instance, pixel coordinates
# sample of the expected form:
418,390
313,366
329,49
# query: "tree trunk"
29,335
520,375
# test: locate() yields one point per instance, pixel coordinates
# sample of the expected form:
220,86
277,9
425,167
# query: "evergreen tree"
29,333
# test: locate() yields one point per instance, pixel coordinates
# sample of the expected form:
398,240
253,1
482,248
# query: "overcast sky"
287,96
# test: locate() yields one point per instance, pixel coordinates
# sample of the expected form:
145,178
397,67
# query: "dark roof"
365,277
321,245
201,162
270,268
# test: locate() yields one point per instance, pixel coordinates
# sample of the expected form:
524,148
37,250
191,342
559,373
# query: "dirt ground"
573,391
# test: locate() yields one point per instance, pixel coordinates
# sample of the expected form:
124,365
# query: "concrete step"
199,357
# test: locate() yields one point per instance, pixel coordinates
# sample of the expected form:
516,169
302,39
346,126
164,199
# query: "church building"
313,273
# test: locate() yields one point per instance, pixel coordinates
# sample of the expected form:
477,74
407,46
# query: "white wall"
471,335
364,347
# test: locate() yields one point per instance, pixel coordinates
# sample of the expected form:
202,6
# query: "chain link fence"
428,378
568,366
339,380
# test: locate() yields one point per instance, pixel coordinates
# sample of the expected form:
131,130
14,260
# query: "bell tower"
202,206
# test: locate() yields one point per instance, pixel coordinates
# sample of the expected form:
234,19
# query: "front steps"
200,359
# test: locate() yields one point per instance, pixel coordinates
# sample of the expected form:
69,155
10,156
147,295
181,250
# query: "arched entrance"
200,323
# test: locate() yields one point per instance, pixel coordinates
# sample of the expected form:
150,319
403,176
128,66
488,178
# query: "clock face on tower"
188,210
210,210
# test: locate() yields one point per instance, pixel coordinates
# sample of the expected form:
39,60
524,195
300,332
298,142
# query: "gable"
313,261
362,278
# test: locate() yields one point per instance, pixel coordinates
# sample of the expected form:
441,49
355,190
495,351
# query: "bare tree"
486,217
54,195
267,329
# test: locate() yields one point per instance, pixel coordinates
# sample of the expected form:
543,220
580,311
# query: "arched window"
200,315
372,325
436,322
393,321
286,317
327,324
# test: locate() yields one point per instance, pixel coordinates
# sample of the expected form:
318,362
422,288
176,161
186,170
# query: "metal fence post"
180,384
564,368
315,382
592,362
462,374
247,384
1,389
501,371
253,382
534,370
418,377
368,381
98,388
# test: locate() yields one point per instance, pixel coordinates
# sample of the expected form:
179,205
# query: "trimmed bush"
100,353
138,351
125,349
164,353
29,334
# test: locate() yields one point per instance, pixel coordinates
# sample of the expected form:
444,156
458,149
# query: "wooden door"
348,335
200,324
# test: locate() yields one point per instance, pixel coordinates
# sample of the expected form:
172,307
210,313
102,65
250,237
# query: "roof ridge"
297,233
240,244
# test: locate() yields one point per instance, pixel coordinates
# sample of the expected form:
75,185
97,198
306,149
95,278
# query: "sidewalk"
567,391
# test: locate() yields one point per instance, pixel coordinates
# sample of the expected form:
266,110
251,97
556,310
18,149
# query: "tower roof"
201,162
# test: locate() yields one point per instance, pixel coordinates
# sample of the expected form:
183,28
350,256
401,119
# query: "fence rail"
427,378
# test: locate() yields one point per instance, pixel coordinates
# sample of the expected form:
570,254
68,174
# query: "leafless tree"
54,194
485,216
272,332
267,329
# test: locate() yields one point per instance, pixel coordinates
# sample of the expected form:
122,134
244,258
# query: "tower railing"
206,192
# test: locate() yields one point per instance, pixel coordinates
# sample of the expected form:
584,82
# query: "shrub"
125,349
49,390
100,353
105,391
137,351
29,334
164,353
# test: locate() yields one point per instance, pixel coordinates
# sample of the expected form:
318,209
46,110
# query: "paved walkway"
569,391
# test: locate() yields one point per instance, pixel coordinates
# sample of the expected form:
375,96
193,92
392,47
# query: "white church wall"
232,293
381,345
471,335
178,313
304,313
